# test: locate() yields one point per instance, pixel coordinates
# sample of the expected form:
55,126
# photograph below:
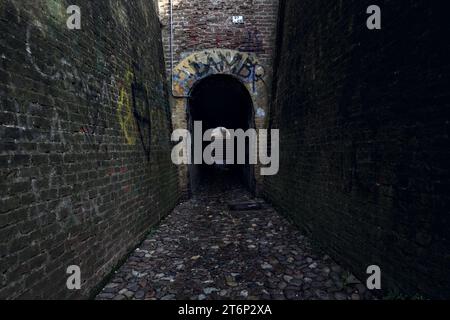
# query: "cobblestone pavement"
204,251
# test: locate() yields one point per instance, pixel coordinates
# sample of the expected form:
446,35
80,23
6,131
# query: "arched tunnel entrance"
221,101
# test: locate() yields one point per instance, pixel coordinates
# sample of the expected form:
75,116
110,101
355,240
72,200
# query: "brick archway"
246,68
199,65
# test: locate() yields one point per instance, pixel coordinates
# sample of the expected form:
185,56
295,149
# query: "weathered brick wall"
364,136
85,165
207,24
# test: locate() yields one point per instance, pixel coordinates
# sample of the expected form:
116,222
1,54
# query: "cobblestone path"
205,251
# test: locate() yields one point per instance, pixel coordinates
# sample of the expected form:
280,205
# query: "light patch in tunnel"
260,113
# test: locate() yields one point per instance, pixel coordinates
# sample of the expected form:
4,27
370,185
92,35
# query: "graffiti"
209,62
53,130
252,42
125,112
51,74
241,66
83,85
67,212
106,96
63,210
133,110
141,112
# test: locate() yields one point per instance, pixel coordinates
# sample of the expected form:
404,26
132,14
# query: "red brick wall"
207,24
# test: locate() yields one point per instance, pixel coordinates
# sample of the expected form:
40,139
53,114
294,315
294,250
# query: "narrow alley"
204,250
224,149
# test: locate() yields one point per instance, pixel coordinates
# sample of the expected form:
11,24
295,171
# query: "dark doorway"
221,101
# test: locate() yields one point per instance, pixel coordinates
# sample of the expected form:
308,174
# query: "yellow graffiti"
125,112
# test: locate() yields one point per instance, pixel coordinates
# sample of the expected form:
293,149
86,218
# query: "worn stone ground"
204,251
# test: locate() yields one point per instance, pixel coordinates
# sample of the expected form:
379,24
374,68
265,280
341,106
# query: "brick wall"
85,165
207,24
364,136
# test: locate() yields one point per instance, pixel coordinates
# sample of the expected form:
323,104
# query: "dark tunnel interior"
220,101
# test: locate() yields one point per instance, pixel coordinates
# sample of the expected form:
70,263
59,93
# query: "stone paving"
204,251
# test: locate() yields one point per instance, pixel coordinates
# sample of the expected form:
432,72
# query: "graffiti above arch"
241,65
218,61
